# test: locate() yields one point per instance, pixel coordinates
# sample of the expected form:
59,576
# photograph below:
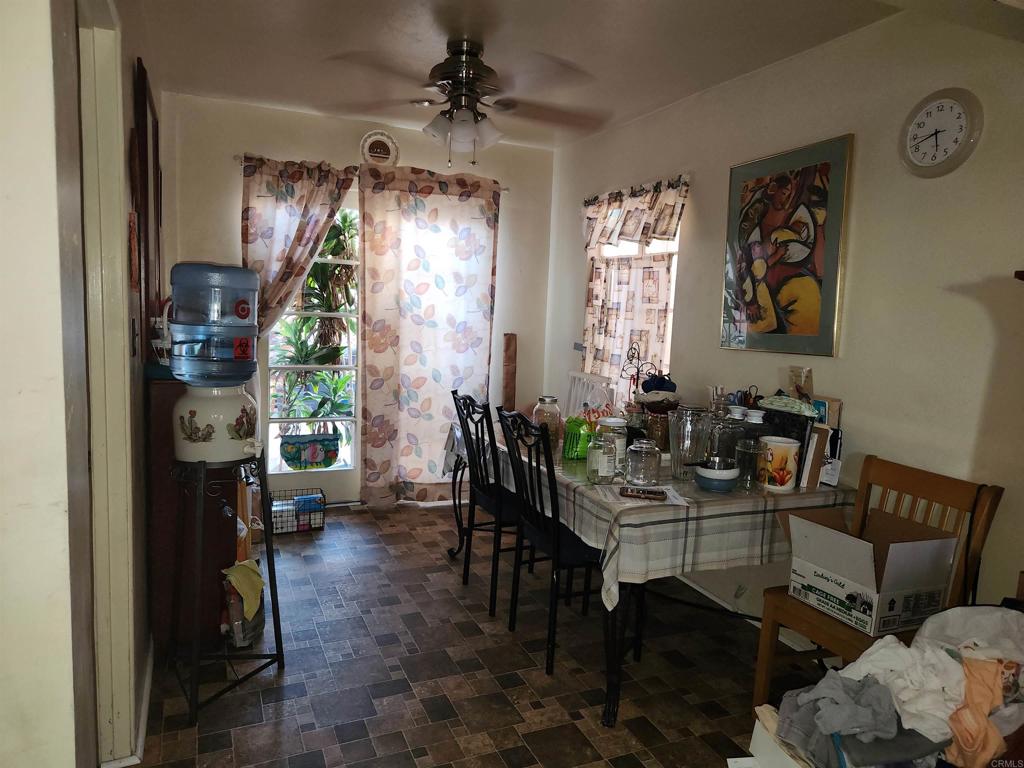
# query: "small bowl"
737,412
718,466
717,474
716,485
755,416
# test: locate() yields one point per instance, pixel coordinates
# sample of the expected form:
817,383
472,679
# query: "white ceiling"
624,58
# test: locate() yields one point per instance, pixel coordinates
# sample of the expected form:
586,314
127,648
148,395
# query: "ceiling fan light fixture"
463,126
486,134
439,128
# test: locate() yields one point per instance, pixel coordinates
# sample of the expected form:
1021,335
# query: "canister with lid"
614,428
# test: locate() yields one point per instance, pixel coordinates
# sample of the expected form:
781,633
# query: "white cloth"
980,632
927,684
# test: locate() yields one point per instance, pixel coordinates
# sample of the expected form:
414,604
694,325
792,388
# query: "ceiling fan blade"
578,119
379,63
376,105
539,71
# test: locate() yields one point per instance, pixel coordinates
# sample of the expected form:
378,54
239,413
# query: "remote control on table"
647,494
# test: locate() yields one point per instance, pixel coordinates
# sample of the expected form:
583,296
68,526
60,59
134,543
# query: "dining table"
640,541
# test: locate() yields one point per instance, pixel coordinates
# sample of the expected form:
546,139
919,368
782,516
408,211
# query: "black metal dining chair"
485,488
529,451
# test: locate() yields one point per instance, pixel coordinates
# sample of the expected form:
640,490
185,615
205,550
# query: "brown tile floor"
393,663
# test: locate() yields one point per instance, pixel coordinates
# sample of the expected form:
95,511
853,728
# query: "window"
630,298
312,370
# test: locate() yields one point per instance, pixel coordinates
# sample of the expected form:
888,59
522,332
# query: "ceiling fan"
464,85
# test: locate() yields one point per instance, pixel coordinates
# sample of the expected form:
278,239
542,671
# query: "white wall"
37,725
930,354
203,198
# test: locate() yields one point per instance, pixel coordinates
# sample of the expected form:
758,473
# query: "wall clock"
379,148
941,132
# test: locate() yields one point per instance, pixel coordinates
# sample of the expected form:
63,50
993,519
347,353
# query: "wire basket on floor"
301,509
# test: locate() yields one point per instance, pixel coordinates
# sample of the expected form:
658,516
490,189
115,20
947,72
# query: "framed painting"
146,181
783,264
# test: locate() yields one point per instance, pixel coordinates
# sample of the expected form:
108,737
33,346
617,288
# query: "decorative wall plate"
379,148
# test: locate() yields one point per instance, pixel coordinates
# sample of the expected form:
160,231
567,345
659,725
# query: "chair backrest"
935,500
478,435
529,454
587,388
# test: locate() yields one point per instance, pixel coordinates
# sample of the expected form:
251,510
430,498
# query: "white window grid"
352,342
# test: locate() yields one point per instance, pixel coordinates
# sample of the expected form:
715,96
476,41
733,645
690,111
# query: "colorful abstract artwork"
782,269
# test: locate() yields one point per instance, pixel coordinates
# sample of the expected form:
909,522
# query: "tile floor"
393,663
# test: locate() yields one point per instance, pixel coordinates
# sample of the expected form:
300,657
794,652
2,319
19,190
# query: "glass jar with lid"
614,428
601,459
547,412
643,460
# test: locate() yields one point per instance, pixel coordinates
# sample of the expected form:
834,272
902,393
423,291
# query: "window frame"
642,251
353,335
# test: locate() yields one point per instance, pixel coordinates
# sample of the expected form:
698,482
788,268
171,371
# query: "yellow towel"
246,578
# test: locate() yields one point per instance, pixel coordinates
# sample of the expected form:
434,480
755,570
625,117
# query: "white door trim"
115,497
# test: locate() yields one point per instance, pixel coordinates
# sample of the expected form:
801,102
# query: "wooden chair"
886,488
539,520
485,487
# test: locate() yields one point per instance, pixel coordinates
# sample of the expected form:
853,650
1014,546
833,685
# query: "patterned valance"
641,215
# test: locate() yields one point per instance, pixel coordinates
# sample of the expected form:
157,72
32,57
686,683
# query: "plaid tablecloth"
692,530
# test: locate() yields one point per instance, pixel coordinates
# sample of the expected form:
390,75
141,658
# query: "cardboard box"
892,578
816,449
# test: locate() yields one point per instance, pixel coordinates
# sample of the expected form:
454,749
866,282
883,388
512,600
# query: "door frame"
113,373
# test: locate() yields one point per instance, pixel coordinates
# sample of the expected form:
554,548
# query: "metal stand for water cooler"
194,474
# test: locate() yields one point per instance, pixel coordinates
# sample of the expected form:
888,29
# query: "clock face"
937,132
941,132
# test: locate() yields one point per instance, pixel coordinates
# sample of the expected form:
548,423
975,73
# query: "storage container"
213,324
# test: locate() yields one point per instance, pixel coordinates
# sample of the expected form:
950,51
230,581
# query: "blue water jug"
213,324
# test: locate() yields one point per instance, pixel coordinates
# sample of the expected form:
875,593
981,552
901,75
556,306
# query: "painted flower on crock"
381,337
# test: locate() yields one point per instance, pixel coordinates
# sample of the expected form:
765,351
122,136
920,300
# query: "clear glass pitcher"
688,436
723,434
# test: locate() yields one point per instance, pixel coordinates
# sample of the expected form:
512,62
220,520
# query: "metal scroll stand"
635,369
194,476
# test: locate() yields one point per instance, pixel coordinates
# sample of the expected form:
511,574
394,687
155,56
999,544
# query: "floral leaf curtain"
428,256
287,209
629,298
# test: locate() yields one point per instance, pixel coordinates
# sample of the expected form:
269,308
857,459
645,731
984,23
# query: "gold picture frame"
782,281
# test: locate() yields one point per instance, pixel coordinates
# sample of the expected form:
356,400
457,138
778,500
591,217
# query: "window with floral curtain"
630,241
287,209
428,248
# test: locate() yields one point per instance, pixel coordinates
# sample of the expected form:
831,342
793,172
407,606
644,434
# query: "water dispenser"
213,324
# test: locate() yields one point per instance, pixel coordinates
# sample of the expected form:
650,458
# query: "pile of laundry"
954,693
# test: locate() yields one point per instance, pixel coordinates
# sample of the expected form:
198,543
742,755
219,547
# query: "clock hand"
923,139
933,135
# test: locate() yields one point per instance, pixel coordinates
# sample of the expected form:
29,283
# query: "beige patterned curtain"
287,209
427,264
629,298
